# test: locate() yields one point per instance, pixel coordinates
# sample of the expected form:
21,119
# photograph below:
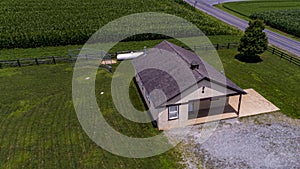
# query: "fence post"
0,65
291,59
217,46
54,62
36,61
19,64
228,45
71,59
273,51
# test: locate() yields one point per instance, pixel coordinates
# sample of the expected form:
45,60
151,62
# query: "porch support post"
239,106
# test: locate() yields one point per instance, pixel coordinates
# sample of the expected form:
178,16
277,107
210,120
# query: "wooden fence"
292,59
195,48
215,46
33,61
70,59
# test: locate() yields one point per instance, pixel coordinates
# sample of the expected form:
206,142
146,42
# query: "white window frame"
173,112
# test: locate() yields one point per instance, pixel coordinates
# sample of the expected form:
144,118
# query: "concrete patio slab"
252,104
212,118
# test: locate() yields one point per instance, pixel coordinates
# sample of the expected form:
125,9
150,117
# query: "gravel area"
264,141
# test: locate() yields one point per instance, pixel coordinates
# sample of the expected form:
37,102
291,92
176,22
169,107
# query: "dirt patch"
263,141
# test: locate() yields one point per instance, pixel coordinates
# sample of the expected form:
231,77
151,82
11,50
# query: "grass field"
39,128
6,54
275,79
36,23
38,124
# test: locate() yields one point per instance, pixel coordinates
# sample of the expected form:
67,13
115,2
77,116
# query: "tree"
254,41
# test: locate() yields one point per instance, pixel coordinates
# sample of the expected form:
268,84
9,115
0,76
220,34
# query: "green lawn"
6,54
39,127
275,79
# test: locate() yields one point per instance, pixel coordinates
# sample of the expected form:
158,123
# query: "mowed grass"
40,129
275,79
8,54
246,8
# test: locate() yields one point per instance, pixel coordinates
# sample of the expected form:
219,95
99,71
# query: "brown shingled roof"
155,79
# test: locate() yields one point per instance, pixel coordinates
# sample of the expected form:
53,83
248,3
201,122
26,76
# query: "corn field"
285,20
34,23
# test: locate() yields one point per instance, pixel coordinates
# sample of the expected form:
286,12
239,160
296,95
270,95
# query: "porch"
251,104
207,115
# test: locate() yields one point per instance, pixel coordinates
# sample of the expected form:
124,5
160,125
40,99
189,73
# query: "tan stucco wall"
193,95
164,123
196,93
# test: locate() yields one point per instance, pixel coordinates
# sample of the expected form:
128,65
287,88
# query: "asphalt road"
275,39
214,2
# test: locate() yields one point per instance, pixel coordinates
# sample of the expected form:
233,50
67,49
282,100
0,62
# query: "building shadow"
154,122
205,112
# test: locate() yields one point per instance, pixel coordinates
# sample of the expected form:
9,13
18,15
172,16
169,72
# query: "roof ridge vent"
194,65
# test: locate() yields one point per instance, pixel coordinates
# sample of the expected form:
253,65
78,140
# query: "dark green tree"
254,40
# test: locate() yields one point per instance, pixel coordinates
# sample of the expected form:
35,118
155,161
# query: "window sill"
174,118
